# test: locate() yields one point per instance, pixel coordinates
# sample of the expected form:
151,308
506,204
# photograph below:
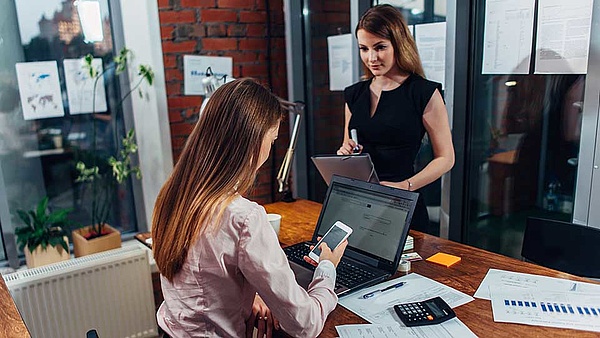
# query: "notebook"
379,216
354,166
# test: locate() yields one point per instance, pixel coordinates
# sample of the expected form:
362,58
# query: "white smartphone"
333,237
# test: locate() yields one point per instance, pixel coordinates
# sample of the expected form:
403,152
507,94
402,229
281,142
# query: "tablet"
354,166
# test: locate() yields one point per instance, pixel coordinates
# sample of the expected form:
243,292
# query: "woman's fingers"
309,261
276,324
269,322
250,325
262,323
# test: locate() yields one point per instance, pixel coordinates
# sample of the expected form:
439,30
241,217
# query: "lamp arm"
284,171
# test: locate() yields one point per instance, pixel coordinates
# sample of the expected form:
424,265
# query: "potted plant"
43,237
105,172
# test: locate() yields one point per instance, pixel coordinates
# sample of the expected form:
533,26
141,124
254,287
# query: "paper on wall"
39,89
563,36
431,43
508,36
194,70
340,55
80,87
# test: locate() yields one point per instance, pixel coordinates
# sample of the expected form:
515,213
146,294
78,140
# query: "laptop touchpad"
303,275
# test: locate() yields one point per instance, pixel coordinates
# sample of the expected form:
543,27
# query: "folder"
444,259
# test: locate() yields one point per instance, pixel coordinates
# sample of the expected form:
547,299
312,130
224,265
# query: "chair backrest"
563,246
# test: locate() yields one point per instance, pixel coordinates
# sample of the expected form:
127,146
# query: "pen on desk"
354,137
376,292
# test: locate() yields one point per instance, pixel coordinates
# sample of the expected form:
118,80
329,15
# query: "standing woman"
215,249
394,107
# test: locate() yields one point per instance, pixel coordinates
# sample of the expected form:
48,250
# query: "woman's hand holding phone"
326,254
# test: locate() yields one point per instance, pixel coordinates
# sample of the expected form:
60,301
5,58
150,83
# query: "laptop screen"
378,216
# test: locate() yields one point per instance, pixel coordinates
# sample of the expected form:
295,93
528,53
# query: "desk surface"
11,323
298,222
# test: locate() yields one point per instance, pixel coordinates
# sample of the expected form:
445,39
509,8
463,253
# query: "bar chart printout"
569,310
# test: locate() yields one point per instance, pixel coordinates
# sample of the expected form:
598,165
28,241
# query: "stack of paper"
451,328
410,243
380,309
538,300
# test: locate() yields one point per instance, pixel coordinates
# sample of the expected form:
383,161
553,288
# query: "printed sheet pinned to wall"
431,42
508,36
80,87
39,88
340,57
563,36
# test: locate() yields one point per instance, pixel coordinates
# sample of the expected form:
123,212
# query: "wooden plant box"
82,246
41,257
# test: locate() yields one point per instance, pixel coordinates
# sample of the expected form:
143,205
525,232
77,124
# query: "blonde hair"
219,160
387,22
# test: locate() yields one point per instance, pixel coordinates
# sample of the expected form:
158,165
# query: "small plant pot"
110,239
40,257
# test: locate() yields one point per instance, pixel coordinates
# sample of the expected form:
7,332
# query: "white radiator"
109,291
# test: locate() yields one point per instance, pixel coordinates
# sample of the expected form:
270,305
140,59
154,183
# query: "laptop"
379,216
357,166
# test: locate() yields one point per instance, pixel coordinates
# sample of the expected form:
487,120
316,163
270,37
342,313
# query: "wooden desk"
298,222
11,323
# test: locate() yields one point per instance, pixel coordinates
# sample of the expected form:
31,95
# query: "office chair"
562,246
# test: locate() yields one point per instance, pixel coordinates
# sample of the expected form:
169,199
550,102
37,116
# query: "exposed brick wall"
234,28
328,110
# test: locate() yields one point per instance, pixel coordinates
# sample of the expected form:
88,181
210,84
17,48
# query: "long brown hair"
387,22
219,160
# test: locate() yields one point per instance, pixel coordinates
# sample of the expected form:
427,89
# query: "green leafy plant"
104,172
43,228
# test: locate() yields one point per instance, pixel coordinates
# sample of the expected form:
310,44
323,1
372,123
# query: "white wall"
141,30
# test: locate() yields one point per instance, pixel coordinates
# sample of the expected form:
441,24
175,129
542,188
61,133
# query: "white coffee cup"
275,220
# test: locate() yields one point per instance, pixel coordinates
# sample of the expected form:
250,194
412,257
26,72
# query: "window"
38,155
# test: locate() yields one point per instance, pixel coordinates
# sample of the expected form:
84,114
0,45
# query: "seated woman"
215,249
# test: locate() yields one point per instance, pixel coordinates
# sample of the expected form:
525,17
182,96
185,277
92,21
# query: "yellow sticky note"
444,259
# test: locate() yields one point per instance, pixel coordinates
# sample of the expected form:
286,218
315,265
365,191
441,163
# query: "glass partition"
523,142
38,155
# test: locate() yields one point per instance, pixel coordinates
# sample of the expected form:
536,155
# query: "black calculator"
427,312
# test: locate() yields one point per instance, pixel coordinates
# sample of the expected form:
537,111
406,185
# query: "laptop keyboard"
296,253
348,274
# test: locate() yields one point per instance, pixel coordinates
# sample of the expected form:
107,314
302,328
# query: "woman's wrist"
409,185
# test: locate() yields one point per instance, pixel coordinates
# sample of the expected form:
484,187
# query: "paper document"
380,310
80,87
431,43
508,36
565,309
502,278
563,36
451,328
340,54
39,88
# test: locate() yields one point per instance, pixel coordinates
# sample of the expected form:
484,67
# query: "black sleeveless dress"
392,136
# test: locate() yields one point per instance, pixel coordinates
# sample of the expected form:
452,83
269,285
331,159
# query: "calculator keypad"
415,312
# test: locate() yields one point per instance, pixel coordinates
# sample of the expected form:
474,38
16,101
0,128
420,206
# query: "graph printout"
570,310
503,278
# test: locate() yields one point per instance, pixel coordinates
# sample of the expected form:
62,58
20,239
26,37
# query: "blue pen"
377,292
